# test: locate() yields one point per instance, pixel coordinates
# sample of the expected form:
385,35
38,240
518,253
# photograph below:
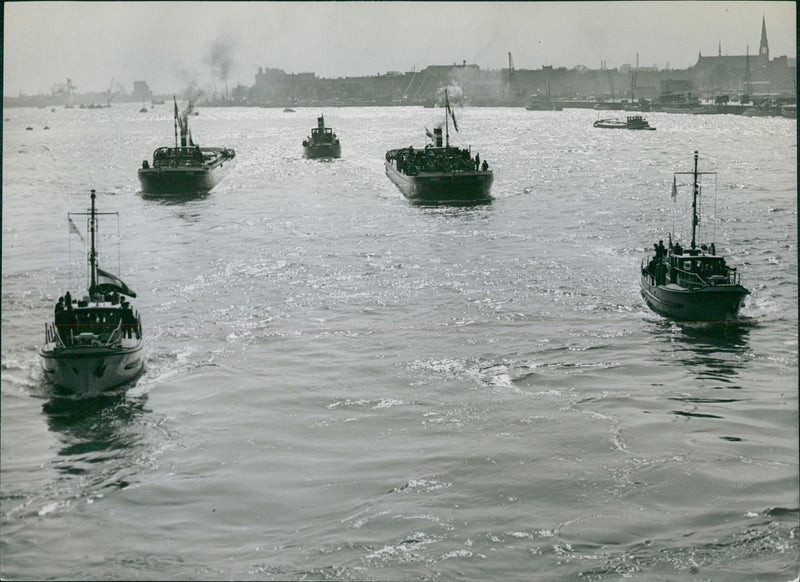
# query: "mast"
93,252
175,121
694,200
695,195
446,124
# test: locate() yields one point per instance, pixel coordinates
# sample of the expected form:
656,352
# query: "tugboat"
632,122
693,284
323,142
186,168
436,173
95,343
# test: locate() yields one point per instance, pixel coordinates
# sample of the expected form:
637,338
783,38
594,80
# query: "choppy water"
341,385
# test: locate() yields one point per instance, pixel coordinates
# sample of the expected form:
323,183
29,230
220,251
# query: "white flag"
73,228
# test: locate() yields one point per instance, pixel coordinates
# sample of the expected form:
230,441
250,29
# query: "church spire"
763,49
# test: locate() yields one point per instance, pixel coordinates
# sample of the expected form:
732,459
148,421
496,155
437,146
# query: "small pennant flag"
674,188
74,229
428,133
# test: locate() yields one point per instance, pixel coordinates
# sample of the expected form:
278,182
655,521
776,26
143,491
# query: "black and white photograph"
400,291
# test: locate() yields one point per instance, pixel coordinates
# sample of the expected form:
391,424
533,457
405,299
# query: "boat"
187,167
288,110
631,122
693,284
323,142
440,173
539,103
94,342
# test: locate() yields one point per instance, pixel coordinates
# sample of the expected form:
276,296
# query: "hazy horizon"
171,45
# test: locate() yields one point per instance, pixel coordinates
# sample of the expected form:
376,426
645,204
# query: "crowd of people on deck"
413,161
657,268
71,322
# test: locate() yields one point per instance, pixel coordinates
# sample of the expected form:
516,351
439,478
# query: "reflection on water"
95,430
451,203
172,199
715,354
713,351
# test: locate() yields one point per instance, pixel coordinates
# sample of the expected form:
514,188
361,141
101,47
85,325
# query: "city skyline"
172,45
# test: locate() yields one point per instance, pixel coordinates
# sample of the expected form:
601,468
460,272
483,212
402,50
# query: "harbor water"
341,385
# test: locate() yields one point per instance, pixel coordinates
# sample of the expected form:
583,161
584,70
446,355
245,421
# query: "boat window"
687,265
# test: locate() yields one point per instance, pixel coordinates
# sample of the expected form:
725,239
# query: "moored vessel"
187,167
693,284
440,173
322,143
94,342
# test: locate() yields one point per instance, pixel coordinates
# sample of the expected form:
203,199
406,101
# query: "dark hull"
322,151
91,370
712,304
187,179
622,125
178,180
443,186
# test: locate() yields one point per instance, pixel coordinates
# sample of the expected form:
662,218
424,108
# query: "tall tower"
763,49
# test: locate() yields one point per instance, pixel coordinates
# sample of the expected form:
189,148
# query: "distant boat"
143,109
185,168
537,103
437,174
29,128
288,110
323,142
95,342
693,284
632,122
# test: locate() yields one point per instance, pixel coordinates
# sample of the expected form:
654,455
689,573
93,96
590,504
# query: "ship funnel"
437,136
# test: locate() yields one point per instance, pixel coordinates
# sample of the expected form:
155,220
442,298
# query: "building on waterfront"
748,74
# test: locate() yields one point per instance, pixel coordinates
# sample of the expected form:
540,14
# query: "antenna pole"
694,201
93,251
446,124
175,120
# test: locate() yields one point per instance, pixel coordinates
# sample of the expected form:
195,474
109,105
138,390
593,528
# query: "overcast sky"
169,44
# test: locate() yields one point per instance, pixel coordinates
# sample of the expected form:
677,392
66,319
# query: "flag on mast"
74,229
108,283
450,110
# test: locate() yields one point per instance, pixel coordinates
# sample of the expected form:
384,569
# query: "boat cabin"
321,134
696,269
